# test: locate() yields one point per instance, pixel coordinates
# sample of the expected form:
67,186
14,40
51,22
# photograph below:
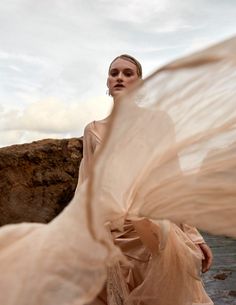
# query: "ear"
107,84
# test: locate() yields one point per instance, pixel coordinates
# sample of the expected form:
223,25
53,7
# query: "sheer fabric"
169,153
188,108
162,261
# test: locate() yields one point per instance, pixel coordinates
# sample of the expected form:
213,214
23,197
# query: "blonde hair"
131,59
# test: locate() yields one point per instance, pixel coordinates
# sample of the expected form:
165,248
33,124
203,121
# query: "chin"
118,93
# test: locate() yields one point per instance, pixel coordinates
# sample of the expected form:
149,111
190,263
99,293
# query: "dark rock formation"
38,180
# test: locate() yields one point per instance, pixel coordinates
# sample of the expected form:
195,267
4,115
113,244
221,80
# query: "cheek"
109,82
133,79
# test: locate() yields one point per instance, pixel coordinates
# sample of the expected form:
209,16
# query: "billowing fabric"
162,263
168,153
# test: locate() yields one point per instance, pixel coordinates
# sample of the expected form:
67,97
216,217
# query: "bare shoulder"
96,129
92,126
89,127
100,124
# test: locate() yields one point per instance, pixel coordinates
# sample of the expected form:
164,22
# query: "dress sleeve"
193,234
88,151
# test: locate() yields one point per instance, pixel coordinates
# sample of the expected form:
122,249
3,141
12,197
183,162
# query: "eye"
128,73
114,73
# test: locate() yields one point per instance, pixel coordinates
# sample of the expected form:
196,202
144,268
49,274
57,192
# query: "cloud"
62,49
50,118
10,137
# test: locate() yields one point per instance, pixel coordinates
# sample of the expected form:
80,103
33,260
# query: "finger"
209,260
209,257
204,266
207,264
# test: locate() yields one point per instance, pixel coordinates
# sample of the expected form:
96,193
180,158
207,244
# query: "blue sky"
54,55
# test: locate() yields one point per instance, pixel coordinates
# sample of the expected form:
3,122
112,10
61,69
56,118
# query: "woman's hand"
208,257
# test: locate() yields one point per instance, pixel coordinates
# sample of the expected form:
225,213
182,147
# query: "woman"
134,283
68,260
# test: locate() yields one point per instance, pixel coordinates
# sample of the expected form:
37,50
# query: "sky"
54,55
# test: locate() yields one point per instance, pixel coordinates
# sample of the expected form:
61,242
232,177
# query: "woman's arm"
197,238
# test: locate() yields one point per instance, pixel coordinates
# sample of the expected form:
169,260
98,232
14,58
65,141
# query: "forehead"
121,64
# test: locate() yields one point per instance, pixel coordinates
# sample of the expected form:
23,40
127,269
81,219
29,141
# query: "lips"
119,86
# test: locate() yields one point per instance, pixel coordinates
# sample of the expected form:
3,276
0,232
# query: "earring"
108,92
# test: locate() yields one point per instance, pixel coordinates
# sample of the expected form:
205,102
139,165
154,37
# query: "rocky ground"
38,180
220,281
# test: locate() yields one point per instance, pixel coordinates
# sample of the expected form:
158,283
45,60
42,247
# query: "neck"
117,98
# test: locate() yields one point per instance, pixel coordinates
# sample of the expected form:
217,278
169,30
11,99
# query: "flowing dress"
159,271
168,157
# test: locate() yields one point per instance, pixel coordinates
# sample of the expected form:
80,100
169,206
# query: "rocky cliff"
38,180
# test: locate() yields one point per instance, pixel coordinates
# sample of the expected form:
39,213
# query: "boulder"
38,180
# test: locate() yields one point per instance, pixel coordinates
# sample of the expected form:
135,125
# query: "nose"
120,77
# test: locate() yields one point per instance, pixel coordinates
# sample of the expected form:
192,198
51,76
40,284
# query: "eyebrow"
126,69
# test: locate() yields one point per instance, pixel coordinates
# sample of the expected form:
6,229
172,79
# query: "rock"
232,293
221,276
38,180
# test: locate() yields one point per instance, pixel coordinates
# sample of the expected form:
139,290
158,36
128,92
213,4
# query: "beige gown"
153,268
169,153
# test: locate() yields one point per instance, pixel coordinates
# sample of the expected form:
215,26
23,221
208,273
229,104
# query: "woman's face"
122,75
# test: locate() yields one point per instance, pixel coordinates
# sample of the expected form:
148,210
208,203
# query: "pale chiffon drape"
162,260
169,153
